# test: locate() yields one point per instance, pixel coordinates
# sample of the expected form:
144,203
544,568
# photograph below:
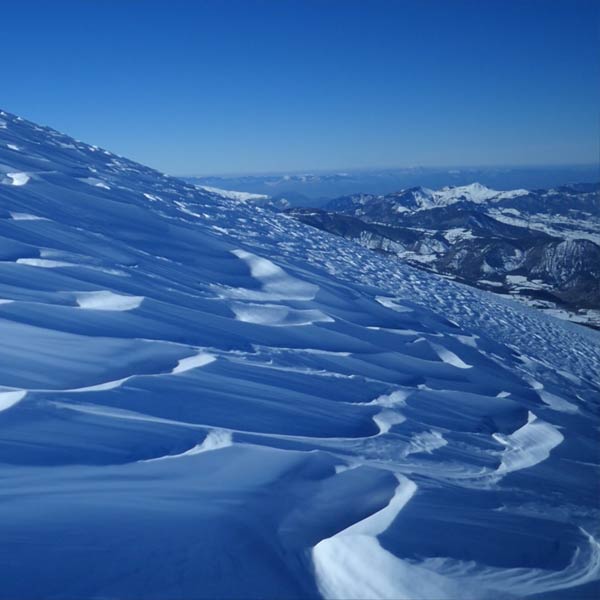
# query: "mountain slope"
201,398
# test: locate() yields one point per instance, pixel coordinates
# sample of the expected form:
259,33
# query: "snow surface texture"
200,398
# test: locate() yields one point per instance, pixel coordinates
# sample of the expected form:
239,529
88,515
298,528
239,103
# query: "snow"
344,563
96,182
216,401
474,192
44,263
193,362
233,195
425,199
425,442
386,419
107,300
458,233
528,445
274,282
17,178
24,217
215,440
8,399
449,357
277,315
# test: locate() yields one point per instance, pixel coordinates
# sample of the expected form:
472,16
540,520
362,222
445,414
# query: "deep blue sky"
203,87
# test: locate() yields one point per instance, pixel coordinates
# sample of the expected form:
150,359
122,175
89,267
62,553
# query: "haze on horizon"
244,86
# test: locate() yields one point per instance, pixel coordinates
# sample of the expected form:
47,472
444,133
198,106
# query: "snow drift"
335,425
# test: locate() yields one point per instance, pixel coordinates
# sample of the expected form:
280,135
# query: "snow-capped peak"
474,192
421,198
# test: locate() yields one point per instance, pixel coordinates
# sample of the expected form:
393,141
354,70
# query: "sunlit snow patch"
16,179
392,304
425,442
527,446
100,387
277,315
192,362
233,195
353,565
8,399
106,300
96,182
17,216
215,440
557,403
450,358
387,418
44,263
276,284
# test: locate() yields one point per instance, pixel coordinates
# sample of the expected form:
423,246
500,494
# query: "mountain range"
315,188
539,246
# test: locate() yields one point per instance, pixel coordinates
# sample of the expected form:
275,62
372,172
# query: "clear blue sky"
204,87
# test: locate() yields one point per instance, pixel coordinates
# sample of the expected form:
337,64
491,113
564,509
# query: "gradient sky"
205,87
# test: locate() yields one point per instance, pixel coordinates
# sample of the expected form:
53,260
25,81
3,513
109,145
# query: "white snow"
275,282
96,182
16,216
45,263
277,315
425,442
450,357
8,399
386,419
216,439
17,178
107,300
352,565
557,402
233,195
193,362
529,445
476,193
100,387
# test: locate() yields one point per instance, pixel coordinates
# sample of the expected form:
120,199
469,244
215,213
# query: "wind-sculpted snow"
200,398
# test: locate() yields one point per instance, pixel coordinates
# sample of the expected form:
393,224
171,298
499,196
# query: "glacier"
200,398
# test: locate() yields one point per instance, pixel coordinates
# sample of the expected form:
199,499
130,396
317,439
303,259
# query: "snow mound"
107,300
17,179
277,315
274,281
529,445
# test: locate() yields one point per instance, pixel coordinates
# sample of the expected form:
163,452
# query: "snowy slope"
201,398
